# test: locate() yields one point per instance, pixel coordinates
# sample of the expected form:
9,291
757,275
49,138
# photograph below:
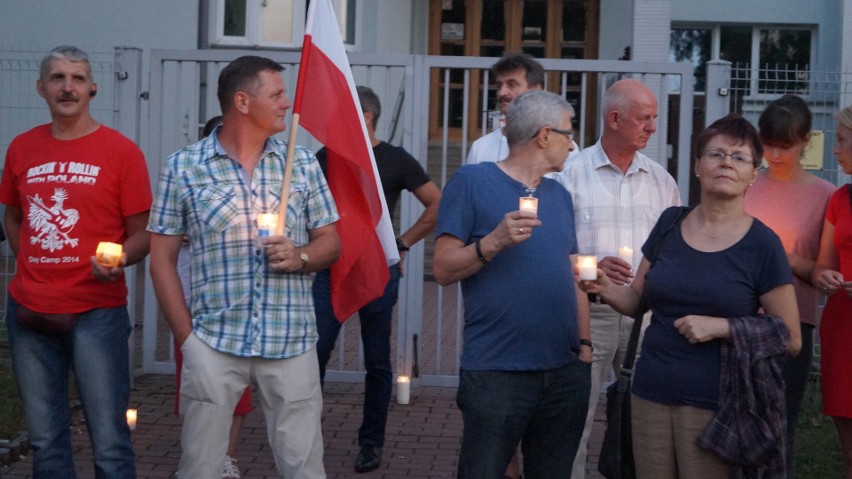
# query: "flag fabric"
328,108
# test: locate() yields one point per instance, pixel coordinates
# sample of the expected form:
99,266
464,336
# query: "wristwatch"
305,258
587,342
400,246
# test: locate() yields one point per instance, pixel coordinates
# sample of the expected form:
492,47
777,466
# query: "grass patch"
11,412
817,445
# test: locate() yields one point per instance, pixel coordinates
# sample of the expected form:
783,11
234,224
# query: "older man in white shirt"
618,195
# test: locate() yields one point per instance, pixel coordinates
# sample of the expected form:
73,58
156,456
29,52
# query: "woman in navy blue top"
717,263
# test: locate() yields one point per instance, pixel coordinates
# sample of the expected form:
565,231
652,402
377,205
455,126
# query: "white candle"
403,389
131,419
626,254
108,254
529,203
588,266
266,224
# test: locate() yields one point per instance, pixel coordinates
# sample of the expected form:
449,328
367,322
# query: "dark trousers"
543,410
375,318
796,372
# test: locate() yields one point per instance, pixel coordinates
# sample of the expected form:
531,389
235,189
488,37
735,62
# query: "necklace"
715,237
530,190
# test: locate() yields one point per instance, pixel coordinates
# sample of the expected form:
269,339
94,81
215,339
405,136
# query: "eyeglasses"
719,156
568,133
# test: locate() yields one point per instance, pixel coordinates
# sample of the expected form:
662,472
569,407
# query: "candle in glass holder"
529,203
626,254
403,389
588,266
131,419
266,223
108,254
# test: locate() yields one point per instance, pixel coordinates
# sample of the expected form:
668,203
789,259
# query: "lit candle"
626,254
266,223
588,266
529,203
108,254
403,389
131,419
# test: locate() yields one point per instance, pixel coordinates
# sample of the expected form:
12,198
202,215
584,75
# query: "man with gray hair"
525,362
67,186
618,195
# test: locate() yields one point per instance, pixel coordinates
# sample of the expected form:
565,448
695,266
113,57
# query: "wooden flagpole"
288,174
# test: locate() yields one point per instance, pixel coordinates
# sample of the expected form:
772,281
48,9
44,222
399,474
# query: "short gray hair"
369,102
532,111
621,96
67,52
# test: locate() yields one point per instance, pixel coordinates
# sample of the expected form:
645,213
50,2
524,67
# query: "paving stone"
423,437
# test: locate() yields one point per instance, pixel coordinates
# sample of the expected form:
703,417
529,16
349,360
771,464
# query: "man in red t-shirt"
67,186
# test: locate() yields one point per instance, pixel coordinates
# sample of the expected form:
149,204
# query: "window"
777,59
345,11
692,45
784,61
275,23
543,28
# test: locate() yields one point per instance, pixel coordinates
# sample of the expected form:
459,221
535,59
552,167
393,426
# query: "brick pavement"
422,437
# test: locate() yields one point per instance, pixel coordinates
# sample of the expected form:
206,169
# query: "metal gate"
428,329
421,97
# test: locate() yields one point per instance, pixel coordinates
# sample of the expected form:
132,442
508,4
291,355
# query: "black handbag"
616,458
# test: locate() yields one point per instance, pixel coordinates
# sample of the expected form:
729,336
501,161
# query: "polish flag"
328,108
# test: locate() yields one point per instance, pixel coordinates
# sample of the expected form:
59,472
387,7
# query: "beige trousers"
665,442
291,399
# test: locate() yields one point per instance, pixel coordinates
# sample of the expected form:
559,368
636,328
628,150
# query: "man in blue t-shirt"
525,365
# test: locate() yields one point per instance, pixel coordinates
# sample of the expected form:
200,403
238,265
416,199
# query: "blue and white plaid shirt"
239,305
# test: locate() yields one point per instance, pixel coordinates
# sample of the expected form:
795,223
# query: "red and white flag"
328,107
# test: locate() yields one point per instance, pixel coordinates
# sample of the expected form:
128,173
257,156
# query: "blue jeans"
96,350
376,318
543,410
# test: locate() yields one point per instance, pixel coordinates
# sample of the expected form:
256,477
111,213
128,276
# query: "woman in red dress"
833,276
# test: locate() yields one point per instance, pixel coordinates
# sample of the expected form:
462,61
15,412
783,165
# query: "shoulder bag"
616,458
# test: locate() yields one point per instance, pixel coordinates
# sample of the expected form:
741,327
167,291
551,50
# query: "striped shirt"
239,305
614,209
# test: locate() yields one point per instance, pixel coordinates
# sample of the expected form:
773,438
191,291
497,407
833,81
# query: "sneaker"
369,459
230,471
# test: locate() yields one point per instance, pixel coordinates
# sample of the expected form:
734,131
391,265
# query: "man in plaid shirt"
251,316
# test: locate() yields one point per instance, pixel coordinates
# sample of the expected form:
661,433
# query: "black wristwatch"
400,245
587,342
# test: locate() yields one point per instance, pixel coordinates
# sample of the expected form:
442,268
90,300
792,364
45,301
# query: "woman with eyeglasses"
714,268
792,201
833,275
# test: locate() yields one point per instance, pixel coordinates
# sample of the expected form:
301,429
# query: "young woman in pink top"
792,202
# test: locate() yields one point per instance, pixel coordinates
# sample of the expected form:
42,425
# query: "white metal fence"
181,96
